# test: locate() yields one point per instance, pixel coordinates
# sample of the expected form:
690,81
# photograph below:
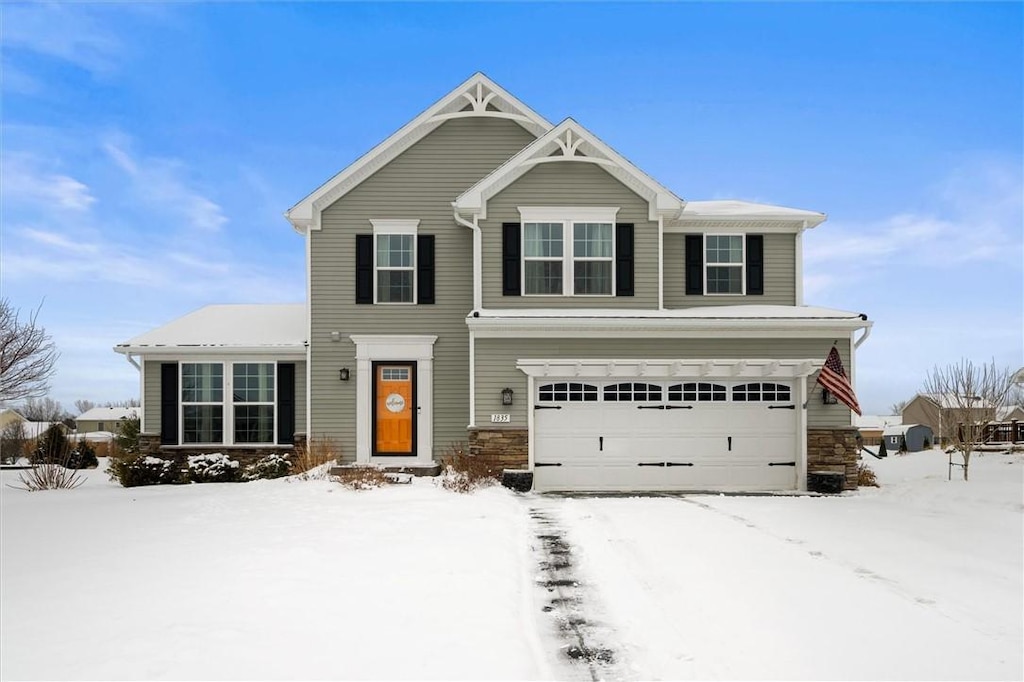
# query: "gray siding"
571,184
151,394
420,184
779,274
496,365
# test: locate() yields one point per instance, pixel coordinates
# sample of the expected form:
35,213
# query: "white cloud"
975,219
66,31
160,184
26,181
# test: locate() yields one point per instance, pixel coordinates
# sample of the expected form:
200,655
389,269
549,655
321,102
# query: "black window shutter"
694,244
755,264
364,268
510,257
425,268
286,403
168,403
624,259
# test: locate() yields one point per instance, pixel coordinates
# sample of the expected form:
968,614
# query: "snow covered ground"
920,579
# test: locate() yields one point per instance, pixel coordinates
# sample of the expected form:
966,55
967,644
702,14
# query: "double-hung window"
253,402
394,259
724,263
202,402
568,251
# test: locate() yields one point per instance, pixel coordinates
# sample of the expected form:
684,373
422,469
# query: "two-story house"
484,276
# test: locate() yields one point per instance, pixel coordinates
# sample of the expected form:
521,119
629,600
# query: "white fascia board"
693,368
660,199
303,214
760,225
661,328
167,352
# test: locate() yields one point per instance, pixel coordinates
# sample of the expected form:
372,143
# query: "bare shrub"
363,477
462,472
50,475
14,442
866,477
311,459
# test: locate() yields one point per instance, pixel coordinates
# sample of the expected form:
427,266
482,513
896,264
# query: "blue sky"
150,150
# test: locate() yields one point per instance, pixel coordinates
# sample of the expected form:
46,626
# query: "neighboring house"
9,417
907,438
871,426
1009,413
103,419
484,276
943,412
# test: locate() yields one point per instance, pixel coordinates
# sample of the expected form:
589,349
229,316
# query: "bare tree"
43,410
130,402
897,407
28,355
84,406
969,396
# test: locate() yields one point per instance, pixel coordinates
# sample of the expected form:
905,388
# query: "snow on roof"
899,429
748,209
723,312
1005,411
36,429
104,414
232,327
876,421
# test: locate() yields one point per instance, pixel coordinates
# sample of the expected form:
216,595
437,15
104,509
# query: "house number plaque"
501,418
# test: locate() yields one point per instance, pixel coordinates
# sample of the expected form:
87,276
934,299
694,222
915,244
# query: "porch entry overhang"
404,363
688,424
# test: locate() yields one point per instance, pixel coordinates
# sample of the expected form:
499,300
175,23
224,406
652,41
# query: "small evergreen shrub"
126,435
52,447
271,466
83,456
143,470
213,468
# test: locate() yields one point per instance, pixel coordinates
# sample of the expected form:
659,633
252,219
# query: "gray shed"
907,437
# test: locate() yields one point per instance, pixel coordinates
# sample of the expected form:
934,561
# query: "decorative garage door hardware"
547,407
665,464
782,464
686,392
547,464
782,407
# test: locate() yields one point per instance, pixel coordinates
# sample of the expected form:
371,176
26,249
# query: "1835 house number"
501,418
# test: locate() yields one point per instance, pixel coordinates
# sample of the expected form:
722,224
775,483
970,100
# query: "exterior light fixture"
343,374
828,398
506,396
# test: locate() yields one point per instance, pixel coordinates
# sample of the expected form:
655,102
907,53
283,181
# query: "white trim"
472,379
800,388
699,368
661,262
305,214
736,225
529,421
395,225
561,214
799,255
309,335
177,352
575,143
384,347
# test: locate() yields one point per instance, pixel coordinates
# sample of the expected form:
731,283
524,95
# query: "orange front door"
394,408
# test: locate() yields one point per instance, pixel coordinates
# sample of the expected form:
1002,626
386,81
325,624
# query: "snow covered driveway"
921,579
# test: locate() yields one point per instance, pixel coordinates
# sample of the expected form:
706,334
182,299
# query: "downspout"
477,305
800,264
129,358
661,262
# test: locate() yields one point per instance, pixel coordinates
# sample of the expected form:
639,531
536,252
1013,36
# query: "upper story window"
396,265
568,251
724,263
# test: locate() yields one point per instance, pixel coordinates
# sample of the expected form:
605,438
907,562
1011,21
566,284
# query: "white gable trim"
570,142
485,98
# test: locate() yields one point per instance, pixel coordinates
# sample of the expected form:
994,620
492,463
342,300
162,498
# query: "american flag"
833,378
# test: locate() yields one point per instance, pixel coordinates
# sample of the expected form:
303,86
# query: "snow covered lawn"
921,579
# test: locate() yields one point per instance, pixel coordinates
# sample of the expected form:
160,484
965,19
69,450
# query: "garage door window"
632,392
697,392
567,392
760,392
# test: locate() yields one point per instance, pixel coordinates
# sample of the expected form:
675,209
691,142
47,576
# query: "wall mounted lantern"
343,374
506,396
828,398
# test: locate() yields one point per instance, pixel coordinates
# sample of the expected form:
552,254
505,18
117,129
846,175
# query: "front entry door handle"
729,439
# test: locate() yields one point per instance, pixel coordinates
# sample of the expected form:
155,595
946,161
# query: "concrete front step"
431,469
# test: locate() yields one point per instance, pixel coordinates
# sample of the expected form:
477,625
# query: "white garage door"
664,435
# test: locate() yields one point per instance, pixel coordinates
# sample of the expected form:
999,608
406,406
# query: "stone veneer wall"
834,450
506,448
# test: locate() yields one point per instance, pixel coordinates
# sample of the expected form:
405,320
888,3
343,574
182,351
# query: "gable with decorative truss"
570,142
478,97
